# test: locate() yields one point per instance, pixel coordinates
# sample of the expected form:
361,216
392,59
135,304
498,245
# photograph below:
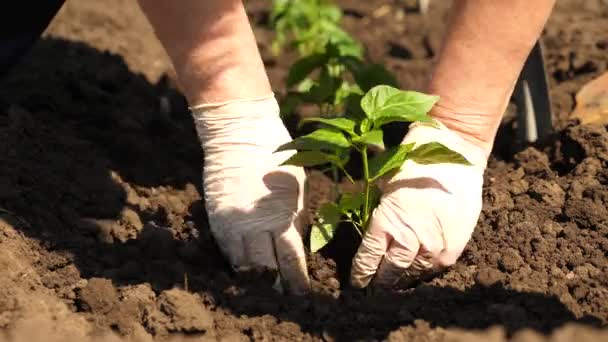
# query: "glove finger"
292,261
397,259
421,268
259,250
230,244
370,253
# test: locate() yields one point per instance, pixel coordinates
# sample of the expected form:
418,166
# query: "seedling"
331,72
308,25
334,79
333,143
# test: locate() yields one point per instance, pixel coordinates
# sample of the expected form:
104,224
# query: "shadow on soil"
74,118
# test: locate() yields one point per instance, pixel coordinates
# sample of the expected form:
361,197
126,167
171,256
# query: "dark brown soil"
102,228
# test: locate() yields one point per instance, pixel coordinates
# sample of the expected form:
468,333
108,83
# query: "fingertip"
371,251
291,260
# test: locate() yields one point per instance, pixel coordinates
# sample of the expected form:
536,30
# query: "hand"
253,203
426,216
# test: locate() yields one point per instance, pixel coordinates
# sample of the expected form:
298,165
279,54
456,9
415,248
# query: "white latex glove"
426,215
253,203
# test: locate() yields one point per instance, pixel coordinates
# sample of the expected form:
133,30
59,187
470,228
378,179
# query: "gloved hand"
253,203
426,215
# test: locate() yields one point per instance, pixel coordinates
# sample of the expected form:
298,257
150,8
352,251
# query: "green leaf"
305,85
347,125
365,126
436,153
344,93
325,88
289,103
381,121
370,75
373,138
321,139
388,160
329,213
321,235
353,64
303,67
311,158
351,202
323,231
388,102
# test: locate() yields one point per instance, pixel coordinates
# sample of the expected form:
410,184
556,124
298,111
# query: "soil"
103,234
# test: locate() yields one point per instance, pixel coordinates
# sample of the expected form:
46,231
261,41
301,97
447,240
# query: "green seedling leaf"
347,125
321,233
312,158
388,160
351,202
345,91
325,88
381,121
436,153
353,64
365,126
289,103
303,67
373,138
305,85
329,213
321,139
370,75
383,102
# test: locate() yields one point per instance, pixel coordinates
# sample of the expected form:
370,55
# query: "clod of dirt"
98,296
185,312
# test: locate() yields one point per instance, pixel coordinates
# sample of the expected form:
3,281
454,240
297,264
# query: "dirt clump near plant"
103,231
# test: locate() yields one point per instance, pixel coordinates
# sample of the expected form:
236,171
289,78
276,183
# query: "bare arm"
212,47
485,48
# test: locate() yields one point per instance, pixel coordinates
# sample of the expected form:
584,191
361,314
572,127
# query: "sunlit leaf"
436,153
388,160
321,139
323,231
345,124
372,138
311,158
388,102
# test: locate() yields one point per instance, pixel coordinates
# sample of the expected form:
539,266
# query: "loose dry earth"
102,228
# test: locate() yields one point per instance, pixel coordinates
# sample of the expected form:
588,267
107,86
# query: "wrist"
230,81
474,126
420,133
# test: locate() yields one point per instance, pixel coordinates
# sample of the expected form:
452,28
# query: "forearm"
212,48
486,45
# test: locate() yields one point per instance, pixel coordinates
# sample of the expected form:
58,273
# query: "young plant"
334,80
333,143
330,73
308,25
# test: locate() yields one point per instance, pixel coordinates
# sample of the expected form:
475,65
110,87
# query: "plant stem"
367,186
336,179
